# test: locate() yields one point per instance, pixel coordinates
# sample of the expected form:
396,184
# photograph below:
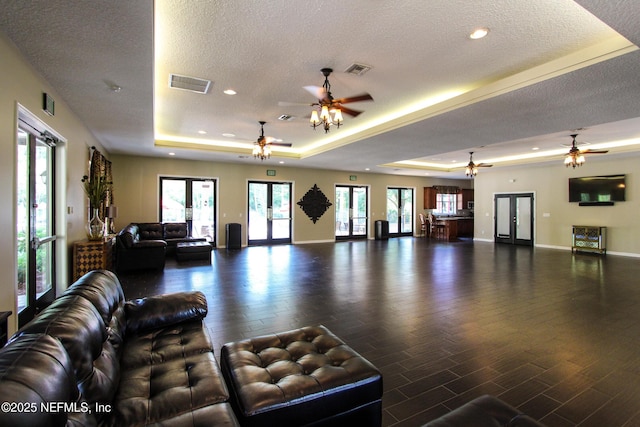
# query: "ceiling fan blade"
483,165
357,98
587,151
296,104
349,111
280,144
319,92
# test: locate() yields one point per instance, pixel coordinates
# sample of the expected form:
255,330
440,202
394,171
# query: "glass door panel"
359,211
23,213
503,218
393,210
258,208
173,200
523,218
202,203
343,201
43,219
406,224
281,211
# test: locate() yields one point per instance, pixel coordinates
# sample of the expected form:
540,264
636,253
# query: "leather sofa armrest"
164,310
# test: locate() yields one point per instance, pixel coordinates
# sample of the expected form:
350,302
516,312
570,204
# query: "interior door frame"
512,237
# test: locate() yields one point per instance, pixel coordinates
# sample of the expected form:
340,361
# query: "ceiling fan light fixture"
471,170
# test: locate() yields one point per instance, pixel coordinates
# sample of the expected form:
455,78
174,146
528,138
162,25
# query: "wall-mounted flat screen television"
597,189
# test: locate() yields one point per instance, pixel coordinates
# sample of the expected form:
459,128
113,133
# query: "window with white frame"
446,204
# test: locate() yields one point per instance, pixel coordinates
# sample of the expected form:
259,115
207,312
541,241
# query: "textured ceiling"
546,68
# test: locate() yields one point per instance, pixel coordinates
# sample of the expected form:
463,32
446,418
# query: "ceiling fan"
575,156
262,146
472,168
329,105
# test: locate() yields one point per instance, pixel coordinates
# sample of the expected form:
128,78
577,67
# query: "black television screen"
597,189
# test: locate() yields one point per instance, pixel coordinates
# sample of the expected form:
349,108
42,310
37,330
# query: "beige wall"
19,84
136,191
554,215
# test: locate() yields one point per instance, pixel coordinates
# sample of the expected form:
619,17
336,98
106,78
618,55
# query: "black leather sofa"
484,411
145,245
92,358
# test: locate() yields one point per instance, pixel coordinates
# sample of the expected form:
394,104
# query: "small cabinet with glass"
589,238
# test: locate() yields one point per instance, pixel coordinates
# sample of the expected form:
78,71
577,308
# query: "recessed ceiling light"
230,92
202,132
228,135
479,33
367,169
172,154
535,148
281,162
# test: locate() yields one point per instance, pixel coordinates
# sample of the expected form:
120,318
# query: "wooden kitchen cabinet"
464,197
430,197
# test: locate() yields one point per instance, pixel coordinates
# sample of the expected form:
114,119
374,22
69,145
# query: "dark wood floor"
555,334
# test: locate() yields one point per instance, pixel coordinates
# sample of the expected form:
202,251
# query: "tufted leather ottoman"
186,251
301,377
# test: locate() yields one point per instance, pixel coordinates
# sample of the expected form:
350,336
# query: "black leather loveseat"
92,358
145,245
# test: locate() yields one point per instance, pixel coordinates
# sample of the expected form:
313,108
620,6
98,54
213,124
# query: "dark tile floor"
550,332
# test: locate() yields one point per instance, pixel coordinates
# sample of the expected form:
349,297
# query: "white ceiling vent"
357,69
191,84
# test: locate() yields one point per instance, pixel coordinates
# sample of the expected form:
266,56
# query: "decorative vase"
95,227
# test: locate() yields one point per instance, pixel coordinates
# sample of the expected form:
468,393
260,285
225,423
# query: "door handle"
270,214
37,242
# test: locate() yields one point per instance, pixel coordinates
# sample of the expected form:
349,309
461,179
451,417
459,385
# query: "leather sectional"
145,245
92,358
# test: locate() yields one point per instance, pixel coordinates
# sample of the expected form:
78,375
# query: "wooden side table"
92,255
4,317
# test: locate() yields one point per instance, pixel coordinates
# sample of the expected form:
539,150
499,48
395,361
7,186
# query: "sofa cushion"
159,345
175,230
164,310
150,231
158,392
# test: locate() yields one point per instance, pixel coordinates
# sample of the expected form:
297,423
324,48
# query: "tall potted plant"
96,190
